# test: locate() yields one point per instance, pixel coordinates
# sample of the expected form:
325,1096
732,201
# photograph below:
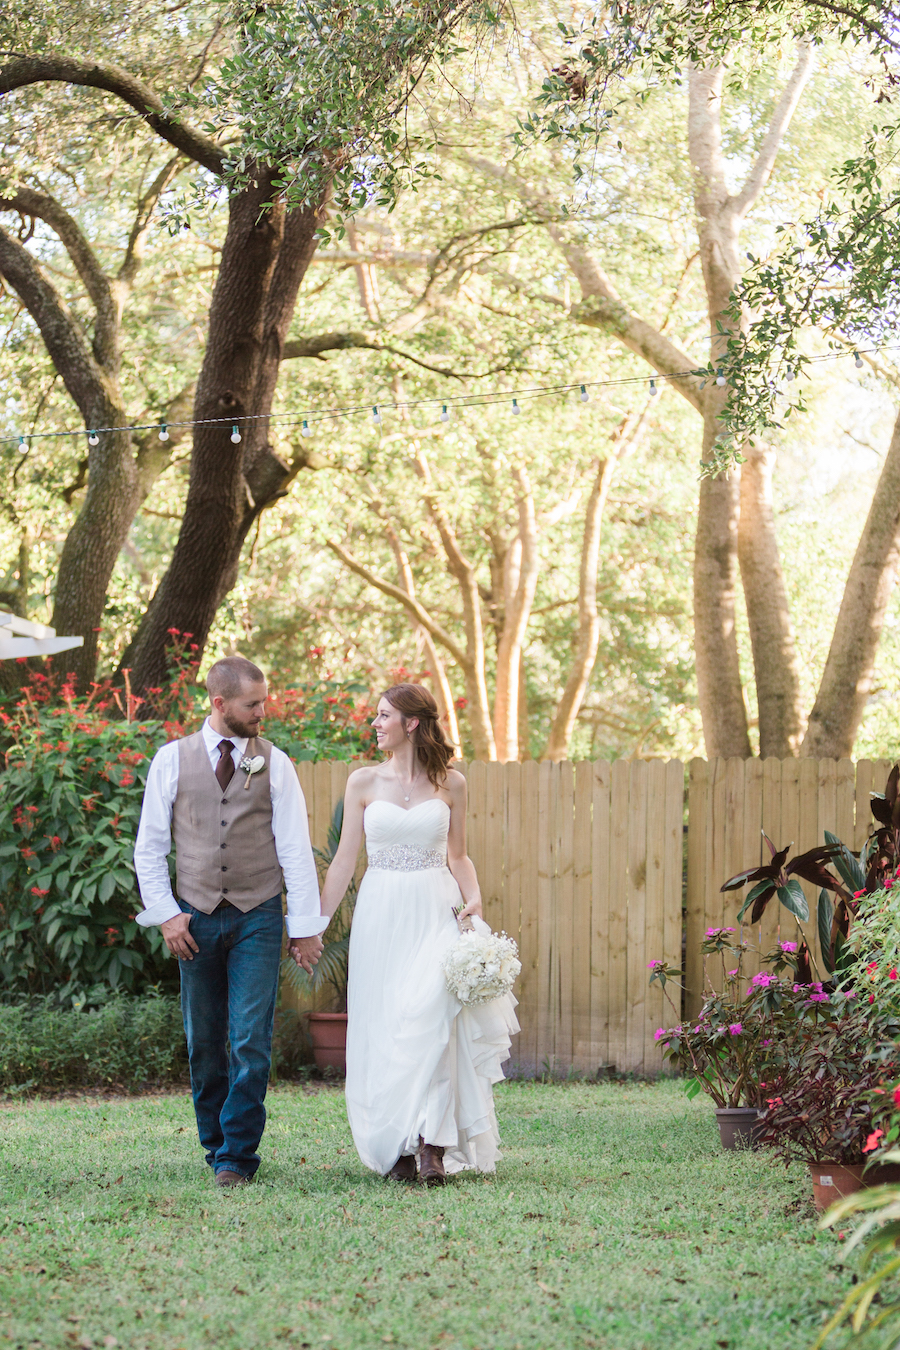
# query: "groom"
234,805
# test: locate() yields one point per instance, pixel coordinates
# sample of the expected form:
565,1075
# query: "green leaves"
69,804
792,897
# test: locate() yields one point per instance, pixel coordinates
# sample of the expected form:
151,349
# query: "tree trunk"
847,679
92,546
519,584
557,747
264,258
771,633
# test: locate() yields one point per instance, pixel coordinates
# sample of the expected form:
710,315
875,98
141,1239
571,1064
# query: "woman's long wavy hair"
433,749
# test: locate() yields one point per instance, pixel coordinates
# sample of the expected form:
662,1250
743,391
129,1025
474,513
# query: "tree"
274,213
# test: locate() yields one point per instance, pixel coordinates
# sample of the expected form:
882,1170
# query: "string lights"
446,404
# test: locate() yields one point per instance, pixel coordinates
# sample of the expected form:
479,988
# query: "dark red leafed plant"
779,878
883,845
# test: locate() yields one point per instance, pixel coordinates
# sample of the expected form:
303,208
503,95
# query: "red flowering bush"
70,799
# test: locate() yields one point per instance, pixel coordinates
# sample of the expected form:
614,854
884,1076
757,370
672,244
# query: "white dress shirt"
290,827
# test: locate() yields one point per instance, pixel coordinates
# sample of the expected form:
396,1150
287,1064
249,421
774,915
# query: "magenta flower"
818,998
651,965
763,979
732,973
788,946
735,1028
764,1043
716,932
660,1033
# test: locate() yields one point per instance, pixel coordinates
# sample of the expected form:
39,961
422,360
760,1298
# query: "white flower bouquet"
481,965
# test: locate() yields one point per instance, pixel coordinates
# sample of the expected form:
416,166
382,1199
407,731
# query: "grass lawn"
614,1221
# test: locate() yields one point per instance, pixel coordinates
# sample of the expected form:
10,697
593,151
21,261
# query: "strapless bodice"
424,826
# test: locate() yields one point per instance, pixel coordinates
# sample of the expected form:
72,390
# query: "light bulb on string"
857,360
23,445
790,374
164,432
235,435
376,415
653,388
445,416
584,395
93,438
305,429
720,377
515,407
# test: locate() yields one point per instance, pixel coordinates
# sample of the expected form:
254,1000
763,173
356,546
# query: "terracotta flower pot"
832,1181
328,1033
737,1126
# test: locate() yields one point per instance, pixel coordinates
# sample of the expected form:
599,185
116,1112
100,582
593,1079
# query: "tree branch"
134,250
409,603
341,342
29,202
66,341
781,120
25,70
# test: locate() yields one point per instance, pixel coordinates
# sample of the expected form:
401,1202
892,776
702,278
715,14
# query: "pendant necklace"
412,786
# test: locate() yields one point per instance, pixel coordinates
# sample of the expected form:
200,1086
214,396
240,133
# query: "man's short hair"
227,677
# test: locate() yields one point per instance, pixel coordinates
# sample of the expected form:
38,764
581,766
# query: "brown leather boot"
431,1165
404,1169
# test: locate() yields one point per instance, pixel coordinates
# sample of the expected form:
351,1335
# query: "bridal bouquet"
481,966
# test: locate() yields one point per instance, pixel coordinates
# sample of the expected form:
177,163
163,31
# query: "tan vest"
224,845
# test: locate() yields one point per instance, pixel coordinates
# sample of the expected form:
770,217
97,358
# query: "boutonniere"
251,766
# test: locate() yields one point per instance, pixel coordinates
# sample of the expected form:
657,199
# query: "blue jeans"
228,1003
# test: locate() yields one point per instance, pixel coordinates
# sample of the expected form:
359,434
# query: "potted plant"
328,1028
729,1051
828,1073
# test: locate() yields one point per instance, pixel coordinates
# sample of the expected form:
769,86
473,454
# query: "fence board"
583,1056
600,897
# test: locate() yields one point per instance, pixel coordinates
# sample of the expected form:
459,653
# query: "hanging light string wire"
445,401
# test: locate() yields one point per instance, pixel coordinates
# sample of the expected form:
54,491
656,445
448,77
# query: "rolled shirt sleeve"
290,825
154,839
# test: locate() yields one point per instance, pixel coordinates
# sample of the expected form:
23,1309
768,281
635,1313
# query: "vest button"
224,801
223,846
224,890
224,823
224,869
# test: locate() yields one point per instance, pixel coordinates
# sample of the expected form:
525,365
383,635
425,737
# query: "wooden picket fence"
596,869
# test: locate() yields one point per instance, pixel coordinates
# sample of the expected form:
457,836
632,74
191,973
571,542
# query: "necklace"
412,786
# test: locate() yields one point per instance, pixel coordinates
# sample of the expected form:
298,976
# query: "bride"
420,1066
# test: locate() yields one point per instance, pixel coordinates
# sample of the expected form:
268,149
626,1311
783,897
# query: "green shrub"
127,1042
70,801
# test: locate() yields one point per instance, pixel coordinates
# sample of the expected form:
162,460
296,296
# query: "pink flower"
788,946
897,1095
892,973
872,1141
888,883
660,1034
765,1043
857,894
732,973
871,998
651,965
871,967
716,932
735,1028
818,998
763,979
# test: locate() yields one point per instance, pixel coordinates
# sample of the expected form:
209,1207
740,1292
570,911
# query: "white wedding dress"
418,1062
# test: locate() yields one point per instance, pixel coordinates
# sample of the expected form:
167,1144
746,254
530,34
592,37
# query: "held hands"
306,951
178,938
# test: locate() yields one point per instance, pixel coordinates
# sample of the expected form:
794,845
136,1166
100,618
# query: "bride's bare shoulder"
455,782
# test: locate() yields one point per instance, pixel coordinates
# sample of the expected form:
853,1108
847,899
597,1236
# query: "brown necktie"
225,766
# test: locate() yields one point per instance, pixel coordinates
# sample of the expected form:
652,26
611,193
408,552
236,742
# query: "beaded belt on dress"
406,858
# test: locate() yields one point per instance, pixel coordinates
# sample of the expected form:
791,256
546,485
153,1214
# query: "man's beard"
238,728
